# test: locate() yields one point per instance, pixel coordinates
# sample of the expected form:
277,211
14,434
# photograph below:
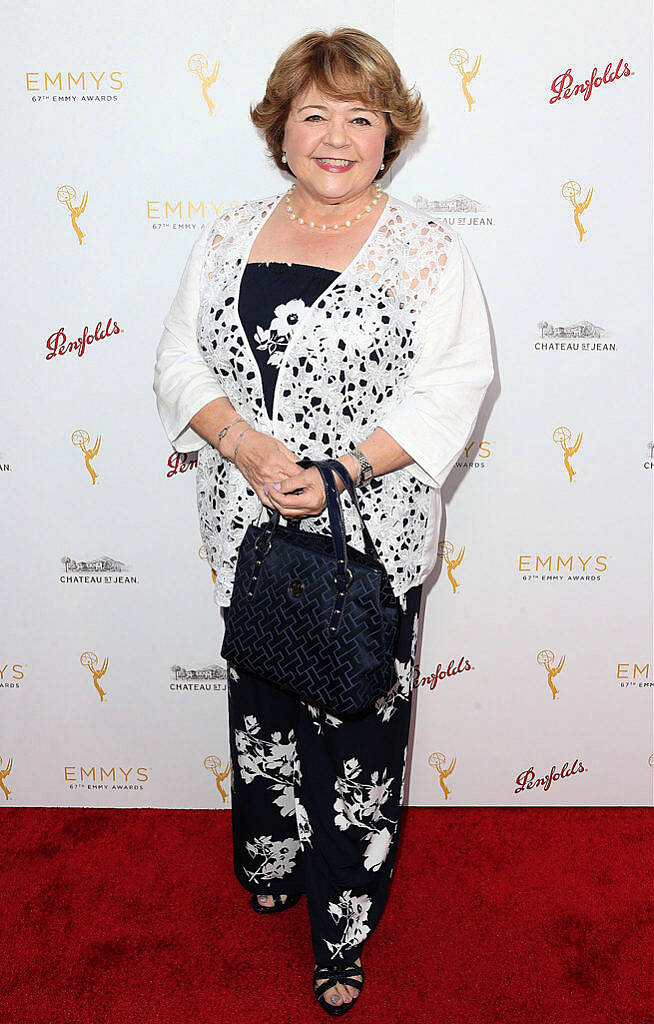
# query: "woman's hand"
262,460
270,468
309,502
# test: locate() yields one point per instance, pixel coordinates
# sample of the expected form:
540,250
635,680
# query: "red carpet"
496,916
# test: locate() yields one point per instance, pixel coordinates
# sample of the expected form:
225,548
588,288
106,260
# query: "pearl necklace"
323,227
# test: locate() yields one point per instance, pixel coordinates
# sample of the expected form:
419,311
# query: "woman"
331,321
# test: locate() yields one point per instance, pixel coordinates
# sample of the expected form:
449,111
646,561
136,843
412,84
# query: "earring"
382,166
283,156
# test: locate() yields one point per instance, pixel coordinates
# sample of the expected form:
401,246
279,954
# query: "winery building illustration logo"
96,571
459,210
582,336
210,679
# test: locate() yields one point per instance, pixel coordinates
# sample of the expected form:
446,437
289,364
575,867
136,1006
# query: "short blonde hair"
344,64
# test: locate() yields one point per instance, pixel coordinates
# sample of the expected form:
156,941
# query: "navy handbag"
311,614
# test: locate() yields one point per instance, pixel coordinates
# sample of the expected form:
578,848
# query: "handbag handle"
335,511
264,541
339,468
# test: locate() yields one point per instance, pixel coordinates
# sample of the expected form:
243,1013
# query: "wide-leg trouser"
317,800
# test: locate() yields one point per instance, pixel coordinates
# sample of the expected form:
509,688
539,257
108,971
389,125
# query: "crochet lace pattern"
346,366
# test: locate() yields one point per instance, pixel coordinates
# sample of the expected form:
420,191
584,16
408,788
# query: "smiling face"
334,147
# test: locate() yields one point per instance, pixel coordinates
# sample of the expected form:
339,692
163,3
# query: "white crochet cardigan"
399,340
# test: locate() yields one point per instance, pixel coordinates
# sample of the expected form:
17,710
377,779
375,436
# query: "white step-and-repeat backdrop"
126,129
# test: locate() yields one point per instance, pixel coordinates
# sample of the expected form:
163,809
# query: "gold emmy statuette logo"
458,58
90,659
650,760
4,772
214,764
199,65
572,190
82,440
562,436
66,194
437,761
202,552
446,551
546,658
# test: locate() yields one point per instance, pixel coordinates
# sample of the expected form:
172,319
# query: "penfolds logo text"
528,780
563,89
440,673
180,462
59,345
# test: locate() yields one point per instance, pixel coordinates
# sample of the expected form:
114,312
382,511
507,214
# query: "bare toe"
345,993
339,993
268,901
333,996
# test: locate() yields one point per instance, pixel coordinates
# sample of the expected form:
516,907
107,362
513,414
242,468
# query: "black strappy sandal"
277,904
325,976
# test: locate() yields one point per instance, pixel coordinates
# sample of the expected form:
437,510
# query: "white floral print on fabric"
380,310
278,857
287,316
304,830
276,338
404,673
278,763
320,718
387,705
358,804
352,912
403,780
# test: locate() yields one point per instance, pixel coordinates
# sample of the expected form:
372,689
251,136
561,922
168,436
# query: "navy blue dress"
316,801
273,297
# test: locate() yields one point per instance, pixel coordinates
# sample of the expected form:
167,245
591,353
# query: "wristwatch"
367,472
